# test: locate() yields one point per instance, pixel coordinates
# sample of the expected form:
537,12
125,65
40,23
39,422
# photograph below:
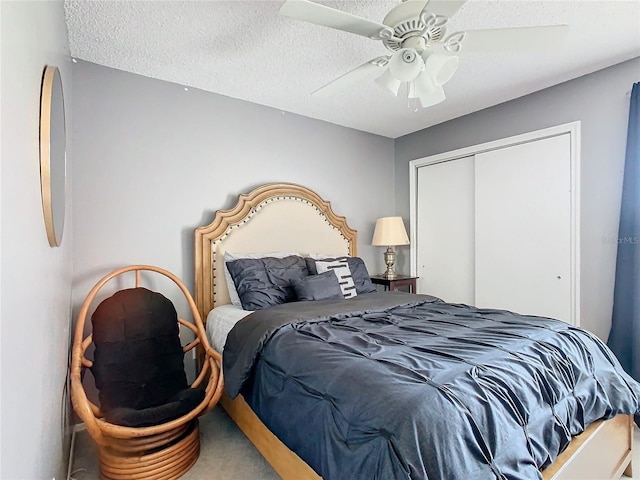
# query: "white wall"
601,102
153,161
36,279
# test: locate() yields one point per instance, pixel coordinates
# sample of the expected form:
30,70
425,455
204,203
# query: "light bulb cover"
426,91
441,68
389,83
406,64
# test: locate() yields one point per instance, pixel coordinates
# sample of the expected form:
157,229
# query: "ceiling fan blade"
351,77
444,8
510,39
329,17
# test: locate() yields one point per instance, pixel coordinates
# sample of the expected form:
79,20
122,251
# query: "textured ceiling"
245,50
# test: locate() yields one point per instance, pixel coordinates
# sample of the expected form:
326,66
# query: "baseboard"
79,427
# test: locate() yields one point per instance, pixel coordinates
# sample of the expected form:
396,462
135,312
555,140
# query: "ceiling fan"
423,54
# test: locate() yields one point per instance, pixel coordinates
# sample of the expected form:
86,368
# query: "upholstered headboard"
279,217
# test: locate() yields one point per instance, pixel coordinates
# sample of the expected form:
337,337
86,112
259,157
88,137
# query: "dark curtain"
624,338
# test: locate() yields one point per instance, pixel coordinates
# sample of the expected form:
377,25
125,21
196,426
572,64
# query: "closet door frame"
573,129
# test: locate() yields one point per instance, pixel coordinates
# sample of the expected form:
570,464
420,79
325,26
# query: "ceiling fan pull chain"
413,102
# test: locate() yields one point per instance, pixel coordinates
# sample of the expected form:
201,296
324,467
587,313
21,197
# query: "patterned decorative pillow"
342,271
359,271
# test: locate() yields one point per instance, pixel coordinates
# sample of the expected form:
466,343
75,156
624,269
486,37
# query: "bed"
293,219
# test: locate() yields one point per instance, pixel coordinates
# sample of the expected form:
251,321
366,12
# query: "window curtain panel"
624,338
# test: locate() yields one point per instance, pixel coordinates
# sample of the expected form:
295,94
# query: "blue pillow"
324,286
265,282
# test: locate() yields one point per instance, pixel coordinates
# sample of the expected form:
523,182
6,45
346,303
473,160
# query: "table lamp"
389,232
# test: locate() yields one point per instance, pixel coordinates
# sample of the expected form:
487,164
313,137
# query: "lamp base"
389,260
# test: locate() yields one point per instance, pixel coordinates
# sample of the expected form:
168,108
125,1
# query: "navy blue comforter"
393,385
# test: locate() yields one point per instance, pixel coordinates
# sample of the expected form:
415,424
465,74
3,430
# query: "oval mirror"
53,154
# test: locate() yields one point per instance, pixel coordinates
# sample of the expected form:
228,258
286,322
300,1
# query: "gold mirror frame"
53,154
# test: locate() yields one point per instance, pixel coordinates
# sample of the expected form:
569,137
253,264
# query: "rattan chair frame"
163,451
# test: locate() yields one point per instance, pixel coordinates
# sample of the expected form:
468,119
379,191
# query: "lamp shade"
390,231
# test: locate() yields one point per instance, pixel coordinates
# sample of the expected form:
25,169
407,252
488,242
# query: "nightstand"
395,283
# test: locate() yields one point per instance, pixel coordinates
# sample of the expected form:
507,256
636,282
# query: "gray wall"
36,279
600,101
153,161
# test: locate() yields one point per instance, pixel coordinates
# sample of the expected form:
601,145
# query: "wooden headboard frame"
209,239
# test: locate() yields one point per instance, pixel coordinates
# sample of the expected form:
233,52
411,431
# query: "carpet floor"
225,454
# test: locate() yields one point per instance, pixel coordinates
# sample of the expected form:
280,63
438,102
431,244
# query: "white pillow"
230,257
322,256
341,270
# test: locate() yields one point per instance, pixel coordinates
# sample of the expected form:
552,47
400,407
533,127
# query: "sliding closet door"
444,234
523,228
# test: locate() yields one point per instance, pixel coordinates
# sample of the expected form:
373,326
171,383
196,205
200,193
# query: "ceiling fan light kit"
415,31
424,78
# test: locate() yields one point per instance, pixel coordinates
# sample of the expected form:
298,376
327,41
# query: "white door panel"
445,230
523,228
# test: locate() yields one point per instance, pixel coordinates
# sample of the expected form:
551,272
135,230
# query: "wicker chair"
163,451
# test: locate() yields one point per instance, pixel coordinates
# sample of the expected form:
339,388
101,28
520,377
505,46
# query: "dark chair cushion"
265,282
359,272
138,359
181,404
324,286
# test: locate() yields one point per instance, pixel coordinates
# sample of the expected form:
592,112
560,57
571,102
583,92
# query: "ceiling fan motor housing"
406,23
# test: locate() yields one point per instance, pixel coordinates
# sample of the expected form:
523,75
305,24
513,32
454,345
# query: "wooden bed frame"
295,219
